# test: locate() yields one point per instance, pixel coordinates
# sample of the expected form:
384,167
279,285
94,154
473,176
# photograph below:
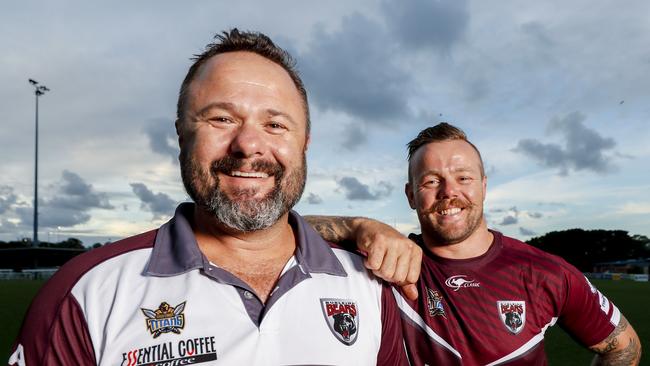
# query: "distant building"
632,266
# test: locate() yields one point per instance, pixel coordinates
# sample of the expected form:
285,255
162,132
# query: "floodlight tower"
38,91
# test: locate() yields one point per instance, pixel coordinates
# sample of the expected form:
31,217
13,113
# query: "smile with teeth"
450,211
237,173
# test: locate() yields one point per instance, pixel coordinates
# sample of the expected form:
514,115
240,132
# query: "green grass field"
633,298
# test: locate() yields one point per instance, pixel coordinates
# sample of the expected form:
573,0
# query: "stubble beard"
442,235
242,212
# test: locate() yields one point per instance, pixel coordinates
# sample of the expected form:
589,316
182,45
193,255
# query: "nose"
448,189
248,142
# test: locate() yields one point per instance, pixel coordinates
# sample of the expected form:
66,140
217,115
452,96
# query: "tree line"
73,243
584,248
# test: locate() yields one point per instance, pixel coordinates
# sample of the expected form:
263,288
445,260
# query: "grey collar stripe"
176,250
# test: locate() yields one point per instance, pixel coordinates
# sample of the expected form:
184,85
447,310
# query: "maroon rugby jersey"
494,309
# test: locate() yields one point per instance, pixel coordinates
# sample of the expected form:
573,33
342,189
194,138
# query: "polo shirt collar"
176,251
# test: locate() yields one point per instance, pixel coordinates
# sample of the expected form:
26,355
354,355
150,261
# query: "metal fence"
618,276
28,274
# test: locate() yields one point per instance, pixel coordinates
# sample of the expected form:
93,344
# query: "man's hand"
390,255
622,347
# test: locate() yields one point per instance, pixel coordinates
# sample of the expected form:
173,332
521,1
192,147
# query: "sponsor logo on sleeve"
591,287
434,303
513,315
461,281
165,319
183,352
342,318
602,300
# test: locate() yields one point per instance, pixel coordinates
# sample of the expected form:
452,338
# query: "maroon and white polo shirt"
154,299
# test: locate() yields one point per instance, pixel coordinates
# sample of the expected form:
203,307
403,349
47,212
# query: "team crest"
434,303
513,315
165,319
342,317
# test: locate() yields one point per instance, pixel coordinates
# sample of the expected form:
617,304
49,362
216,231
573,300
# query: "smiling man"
234,278
486,299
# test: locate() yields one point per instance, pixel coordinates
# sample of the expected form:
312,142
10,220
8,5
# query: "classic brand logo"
434,303
165,319
513,315
342,317
458,281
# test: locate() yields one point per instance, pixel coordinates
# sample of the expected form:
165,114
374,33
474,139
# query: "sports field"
633,298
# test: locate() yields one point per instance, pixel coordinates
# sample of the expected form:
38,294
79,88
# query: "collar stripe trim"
417,319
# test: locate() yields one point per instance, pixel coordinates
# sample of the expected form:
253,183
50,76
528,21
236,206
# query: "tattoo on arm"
332,228
609,354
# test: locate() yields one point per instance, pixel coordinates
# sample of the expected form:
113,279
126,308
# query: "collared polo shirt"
154,299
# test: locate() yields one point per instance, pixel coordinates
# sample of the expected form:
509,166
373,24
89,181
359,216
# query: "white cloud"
634,208
500,71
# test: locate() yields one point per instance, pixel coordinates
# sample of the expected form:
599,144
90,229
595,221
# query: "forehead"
445,156
240,77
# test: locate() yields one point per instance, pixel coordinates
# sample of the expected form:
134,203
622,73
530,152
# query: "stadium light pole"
38,91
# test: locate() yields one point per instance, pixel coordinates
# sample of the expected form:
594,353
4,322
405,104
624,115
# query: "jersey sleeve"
54,332
391,350
587,314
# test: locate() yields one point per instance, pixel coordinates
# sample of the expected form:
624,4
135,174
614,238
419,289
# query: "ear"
178,124
484,184
307,141
408,190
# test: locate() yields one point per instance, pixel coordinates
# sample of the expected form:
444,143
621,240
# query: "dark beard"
241,213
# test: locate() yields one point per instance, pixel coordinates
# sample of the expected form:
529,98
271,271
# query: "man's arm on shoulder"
390,255
621,347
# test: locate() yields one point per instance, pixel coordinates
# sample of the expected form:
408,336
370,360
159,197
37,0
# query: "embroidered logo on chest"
513,315
434,303
165,319
461,281
342,317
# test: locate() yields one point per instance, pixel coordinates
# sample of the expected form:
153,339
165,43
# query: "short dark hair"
439,133
234,41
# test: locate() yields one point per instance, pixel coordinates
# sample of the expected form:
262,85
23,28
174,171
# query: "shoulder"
349,258
80,265
61,284
518,251
55,325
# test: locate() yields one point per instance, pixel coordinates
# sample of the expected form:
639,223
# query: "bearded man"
234,278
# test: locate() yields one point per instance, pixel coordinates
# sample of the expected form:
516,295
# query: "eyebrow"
458,170
275,112
231,107
464,169
221,105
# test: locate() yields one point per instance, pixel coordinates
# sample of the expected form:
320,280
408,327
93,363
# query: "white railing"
618,276
28,274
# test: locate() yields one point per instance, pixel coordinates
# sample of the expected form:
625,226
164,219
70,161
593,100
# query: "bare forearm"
333,228
622,347
630,355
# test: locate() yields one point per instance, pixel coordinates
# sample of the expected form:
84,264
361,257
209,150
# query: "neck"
473,246
257,258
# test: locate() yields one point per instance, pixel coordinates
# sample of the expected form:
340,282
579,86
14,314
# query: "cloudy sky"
555,94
